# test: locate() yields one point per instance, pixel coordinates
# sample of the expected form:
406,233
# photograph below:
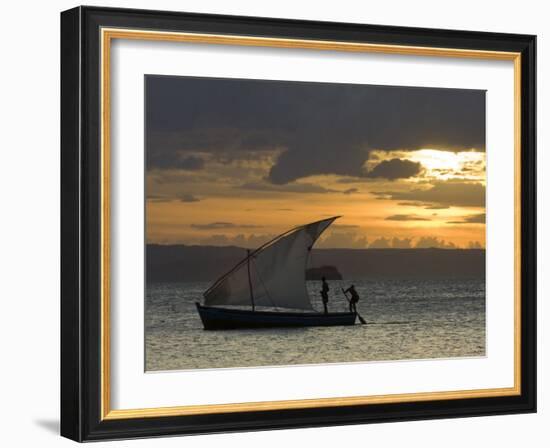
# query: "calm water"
407,319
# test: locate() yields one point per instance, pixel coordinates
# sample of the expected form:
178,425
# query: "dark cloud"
395,169
480,219
289,188
437,207
320,128
294,187
351,191
191,163
406,218
168,149
470,219
424,205
157,198
411,204
185,197
175,159
164,177
223,225
294,164
450,193
350,180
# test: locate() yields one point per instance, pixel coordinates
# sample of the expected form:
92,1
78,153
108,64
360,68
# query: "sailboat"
272,276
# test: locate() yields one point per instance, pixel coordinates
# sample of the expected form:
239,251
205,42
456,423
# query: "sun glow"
434,160
439,164
228,202
447,164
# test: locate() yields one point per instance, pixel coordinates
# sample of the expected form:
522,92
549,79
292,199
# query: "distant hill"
176,263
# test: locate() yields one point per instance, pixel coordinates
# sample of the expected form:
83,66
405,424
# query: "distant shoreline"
325,248
182,263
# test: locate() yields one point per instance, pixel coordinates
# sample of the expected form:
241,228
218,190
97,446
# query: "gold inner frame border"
107,36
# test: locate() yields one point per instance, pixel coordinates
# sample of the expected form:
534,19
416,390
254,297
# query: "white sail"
273,275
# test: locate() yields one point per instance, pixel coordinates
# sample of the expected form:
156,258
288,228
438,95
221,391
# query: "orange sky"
238,161
232,204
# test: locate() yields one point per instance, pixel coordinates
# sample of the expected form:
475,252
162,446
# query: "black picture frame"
81,224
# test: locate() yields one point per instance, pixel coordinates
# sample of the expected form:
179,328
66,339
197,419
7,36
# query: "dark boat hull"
229,319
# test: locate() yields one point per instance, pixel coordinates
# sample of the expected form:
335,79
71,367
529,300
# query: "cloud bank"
395,169
320,128
442,194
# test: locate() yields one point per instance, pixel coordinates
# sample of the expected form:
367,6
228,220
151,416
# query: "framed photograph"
277,224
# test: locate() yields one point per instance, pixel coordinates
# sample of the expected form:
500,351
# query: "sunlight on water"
406,319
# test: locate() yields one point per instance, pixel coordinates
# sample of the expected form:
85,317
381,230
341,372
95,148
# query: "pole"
249,279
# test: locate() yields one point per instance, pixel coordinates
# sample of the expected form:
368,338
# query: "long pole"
249,279
363,321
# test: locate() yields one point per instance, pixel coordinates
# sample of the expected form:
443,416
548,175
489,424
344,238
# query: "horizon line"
322,248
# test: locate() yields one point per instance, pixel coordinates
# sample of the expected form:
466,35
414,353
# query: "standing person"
324,294
354,299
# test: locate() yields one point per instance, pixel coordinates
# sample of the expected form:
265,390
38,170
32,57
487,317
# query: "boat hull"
229,319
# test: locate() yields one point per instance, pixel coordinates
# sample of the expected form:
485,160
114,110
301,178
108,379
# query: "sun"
434,160
445,165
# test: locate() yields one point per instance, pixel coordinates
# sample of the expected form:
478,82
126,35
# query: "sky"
237,162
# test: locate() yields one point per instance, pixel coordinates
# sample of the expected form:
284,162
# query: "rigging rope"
311,264
263,284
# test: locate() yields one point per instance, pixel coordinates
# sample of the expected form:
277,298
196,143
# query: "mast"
249,279
261,248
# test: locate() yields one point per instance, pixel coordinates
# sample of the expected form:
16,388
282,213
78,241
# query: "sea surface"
406,319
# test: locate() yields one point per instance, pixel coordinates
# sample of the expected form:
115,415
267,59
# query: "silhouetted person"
324,294
354,299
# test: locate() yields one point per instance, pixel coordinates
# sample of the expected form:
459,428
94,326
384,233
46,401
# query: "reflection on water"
407,319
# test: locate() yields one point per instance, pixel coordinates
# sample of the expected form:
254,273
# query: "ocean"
406,319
